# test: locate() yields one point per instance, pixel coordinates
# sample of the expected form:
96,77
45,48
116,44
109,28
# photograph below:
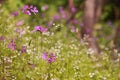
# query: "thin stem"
41,41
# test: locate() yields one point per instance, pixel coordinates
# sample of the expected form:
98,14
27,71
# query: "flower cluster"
23,50
49,57
12,45
40,28
29,9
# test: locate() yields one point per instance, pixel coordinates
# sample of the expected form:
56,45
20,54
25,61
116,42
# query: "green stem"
41,41
3,70
49,77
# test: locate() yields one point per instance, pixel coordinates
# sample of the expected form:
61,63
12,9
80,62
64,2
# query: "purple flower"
45,7
73,9
14,13
12,45
28,12
2,38
40,28
61,10
34,10
75,21
25,8
52,58
44,56
37,28
23,50
57,17
19,23
29,9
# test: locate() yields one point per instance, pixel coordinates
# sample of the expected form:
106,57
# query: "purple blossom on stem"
34,10
40,28
73,9
29,9
44,56
50,58
12,45
23,50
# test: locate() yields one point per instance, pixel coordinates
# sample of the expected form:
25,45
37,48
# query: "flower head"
12,45
50,58
23,50
40,28
44,56
29,9
34,10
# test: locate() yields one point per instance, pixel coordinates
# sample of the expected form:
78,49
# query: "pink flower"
29,9
44,56
34,10
40,28
23,50
50,58
12,45
20,23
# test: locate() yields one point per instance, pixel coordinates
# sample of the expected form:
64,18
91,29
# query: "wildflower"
44,56
34,10
73,9
56,17
45,8
23,50
40,28
2,38
24,8
50,58
29,9
19,23
12,45
15,13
